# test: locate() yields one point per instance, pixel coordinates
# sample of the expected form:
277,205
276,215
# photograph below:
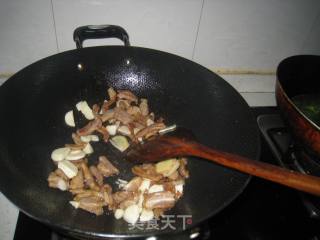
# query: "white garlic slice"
79,106
112,129
149,122
120,142
69,169
69,119
118,213
140,201
62,185
88,149
75,155
167,167
89,138
124,130
131,214
144,185
146,215
75,204
59,154
179,188
87,111
83,107
156,188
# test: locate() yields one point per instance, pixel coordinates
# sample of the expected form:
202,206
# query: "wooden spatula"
181,143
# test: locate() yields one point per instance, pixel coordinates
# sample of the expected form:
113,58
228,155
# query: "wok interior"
35,100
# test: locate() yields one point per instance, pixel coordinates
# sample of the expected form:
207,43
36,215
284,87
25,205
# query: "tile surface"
27,33
168,25
254,34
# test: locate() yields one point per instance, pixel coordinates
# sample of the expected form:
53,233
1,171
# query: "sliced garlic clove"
167,167
69,119
79,105
75,204
60,154
85,139
69,169
120,142
62,185
179,188
75,155
87,111
144,185
119,213
149,122
112,129
156,188
88,149
140,201
89,138
94,138
124,130
131,214
136,130
146,215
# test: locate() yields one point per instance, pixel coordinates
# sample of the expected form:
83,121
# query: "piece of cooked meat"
90,127
61,174
127,95
106,168
147,171
106,190
123,104
183,168
153,129
56,181
133,199
107,115
104,132
144,108
97,175
77,182
122,116
163,199
133,185
89,180
92,204
121,196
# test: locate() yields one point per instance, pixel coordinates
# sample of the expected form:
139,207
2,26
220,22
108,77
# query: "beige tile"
312,42
168,25
251,83
259,99
254,34
27,33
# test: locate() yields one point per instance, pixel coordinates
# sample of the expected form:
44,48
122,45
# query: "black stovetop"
263,211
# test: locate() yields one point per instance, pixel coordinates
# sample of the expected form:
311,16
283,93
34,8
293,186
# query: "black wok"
32,107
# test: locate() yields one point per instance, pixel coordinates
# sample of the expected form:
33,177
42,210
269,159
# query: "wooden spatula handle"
302,182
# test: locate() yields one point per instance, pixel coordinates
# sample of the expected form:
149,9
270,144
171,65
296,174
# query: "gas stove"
263,211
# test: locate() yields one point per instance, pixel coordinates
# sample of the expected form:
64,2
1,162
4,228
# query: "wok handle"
99,31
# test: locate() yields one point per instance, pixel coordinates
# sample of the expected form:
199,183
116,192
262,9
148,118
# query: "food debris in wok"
121,120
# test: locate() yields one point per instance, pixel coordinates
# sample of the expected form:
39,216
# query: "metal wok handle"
99,31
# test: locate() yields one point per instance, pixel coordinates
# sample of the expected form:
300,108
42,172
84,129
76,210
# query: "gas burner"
290,156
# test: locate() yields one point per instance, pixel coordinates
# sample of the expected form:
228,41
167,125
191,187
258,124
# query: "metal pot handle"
99,31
